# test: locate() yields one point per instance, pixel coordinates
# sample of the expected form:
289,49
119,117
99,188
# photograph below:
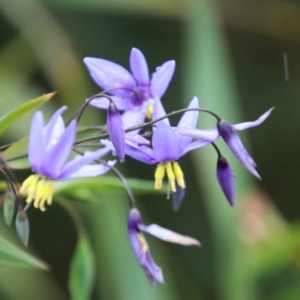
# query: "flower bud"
226,179
9,208
116,131
22,226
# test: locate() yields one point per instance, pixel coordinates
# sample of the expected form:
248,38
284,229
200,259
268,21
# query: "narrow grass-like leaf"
21,110
11,255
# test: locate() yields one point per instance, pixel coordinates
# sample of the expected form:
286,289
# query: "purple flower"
140,246
226,179
49,149
133,91
235,144
116,131
168,145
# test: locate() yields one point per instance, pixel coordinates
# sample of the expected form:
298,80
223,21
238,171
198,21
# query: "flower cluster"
129,98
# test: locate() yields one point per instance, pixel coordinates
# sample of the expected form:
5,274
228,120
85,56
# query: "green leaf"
82,271
13,256
89,189
19,148
21,110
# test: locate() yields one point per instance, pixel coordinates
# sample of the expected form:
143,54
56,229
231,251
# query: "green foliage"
82,270
11,117
12,256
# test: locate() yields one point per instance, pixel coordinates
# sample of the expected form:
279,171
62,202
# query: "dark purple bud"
141,249
226,179
236,146
116,131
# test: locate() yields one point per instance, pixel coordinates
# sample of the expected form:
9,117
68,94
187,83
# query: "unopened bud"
9,206
116,131
22,226
226,179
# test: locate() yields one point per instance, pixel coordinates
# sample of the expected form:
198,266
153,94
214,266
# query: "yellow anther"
142,242
44,193
178,174
159,176
149,111
171,176
37,190
28,188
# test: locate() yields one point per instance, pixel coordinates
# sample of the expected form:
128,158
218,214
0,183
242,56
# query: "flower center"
38,190
174,173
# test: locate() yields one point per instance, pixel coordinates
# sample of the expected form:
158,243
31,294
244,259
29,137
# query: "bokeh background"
240,58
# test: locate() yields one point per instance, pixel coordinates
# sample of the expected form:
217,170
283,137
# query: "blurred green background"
240,58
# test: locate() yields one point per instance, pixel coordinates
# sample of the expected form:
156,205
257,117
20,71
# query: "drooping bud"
22,226
116,130
226,179
9,206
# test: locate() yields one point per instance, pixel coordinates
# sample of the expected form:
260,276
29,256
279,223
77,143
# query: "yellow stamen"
38,190
149,111
28,188
171,176
142,242
159,176
178,174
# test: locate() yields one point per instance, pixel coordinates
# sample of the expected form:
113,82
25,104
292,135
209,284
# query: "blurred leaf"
14,115
20,147
11,255
89,189
82,271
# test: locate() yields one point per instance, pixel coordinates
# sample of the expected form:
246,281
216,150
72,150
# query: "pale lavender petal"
132,118
57,130
237,148
188,121
36,141
159,111
103,102
195,145
162,77
79,161
246,125
140,153
165,143
209,134
226,179
139,67
92,170
168,235
136,139
116,131
57,155
53,125
108,75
